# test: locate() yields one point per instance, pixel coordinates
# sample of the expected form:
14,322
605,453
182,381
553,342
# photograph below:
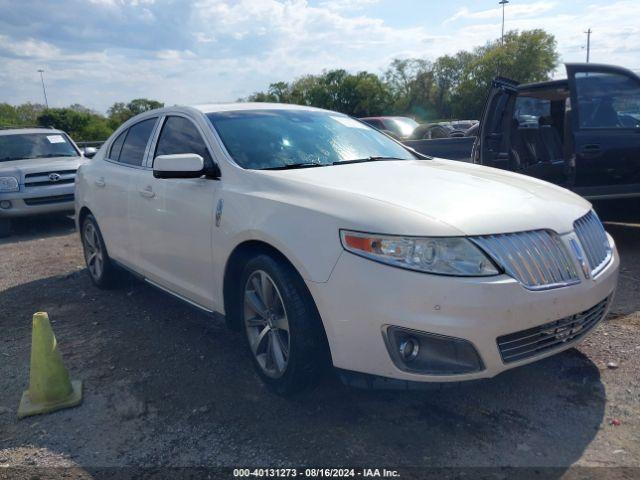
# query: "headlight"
444,256
9,184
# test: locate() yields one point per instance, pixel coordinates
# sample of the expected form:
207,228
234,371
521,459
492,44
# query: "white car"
322,238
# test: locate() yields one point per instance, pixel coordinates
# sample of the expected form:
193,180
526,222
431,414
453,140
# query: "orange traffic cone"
49,386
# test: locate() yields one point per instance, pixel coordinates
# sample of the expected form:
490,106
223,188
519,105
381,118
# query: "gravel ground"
168,386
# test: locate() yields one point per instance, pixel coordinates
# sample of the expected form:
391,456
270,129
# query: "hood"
471,199
20,168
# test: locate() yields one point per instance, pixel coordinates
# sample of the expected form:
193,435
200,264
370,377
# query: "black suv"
582,133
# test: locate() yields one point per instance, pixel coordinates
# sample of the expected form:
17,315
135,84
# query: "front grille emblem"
54,177
577,249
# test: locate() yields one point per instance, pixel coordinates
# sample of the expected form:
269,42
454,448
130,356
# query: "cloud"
101,51
515,11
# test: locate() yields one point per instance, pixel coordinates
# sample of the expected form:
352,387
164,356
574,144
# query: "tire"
101,269
290,324
5,227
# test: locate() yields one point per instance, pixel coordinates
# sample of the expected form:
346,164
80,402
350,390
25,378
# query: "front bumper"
36,201
362,297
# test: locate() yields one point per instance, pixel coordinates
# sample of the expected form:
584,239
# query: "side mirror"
89,152
180,165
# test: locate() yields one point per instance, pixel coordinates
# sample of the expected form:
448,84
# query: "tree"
361,94
20,115
80,123
120,112
410,82
141,105
529,56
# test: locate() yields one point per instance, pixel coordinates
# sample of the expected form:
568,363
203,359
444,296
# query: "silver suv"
37,173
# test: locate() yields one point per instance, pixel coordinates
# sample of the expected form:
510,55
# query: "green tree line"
83,124
452,86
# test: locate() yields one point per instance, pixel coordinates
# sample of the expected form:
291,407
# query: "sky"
97,52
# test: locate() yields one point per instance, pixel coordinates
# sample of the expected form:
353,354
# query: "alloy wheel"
92,251
266,324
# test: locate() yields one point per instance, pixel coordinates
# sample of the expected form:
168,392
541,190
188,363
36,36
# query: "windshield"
260,139
22,146
404,125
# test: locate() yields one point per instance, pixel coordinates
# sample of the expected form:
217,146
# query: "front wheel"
101,269
282,326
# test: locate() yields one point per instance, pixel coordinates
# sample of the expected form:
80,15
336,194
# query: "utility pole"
44,90
503,3
588,32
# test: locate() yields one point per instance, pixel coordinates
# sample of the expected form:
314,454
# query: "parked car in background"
398,127
321,238
431,131
37,172
582,133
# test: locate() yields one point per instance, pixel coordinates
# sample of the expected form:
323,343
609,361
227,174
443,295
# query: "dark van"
582,133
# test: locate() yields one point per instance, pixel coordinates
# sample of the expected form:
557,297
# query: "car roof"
19,130
240,106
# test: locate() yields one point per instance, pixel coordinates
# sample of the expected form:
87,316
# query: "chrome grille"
537,259
42,178
535,341
594,241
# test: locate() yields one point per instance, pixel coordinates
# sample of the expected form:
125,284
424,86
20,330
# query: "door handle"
591,150
147,192
100,182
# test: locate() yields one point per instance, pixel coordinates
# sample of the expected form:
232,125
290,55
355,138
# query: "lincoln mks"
327,242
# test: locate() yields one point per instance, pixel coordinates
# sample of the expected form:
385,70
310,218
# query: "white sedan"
326,241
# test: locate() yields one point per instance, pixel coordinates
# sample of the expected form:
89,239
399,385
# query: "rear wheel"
101,269
282,327
5,227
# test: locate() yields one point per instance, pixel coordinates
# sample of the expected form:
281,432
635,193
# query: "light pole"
588,32
44,90
503,3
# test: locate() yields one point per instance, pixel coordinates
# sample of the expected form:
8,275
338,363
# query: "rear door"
605,125
493,145
113,187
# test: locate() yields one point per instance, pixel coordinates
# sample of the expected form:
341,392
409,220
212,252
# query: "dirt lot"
168,386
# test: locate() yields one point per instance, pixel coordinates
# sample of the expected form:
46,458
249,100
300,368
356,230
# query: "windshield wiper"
369,159
293,166
310,164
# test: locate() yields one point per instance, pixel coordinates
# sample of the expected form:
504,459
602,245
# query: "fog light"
429,353
5,204
409,349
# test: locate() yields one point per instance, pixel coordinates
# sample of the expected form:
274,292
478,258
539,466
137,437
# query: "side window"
180,135
607,100
529,110
132,152
116,146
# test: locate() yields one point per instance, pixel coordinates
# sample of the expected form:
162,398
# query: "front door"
493,145
605,125
174,218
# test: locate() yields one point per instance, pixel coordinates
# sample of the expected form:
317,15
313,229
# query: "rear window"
23,146
135,143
